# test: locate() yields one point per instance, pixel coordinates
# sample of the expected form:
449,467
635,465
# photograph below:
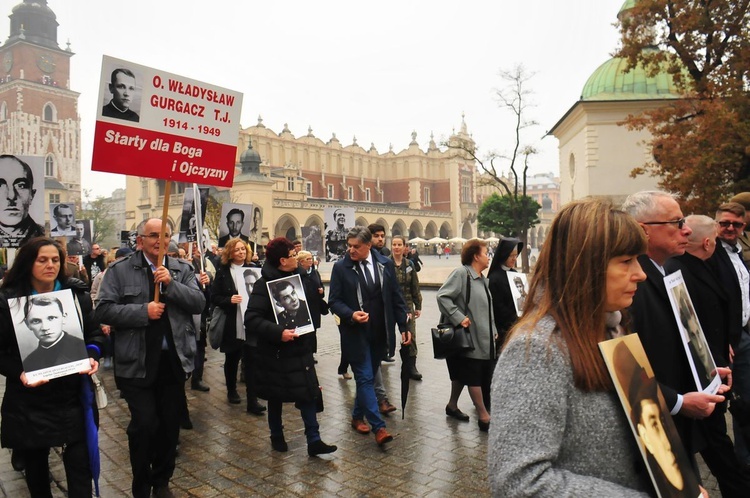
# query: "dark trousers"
200,356
309,417
249,354
231,366
733,479
154,427
77,472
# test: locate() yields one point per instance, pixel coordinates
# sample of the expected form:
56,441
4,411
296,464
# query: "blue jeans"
741,385
307,409
366,404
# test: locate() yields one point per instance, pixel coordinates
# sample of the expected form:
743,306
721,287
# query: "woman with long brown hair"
557,426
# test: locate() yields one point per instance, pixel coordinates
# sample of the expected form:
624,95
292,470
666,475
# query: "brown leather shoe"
385,406
360,426
382,437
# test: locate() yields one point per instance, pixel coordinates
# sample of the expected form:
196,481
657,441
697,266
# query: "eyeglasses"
680,223
156,236
736,224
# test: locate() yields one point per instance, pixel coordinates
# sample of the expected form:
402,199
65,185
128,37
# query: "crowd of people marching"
537,380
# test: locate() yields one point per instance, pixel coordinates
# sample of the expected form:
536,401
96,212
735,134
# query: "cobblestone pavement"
228,453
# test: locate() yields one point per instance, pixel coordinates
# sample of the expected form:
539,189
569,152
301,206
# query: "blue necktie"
368,277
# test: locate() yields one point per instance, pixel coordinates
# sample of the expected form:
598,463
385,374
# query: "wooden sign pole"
164,226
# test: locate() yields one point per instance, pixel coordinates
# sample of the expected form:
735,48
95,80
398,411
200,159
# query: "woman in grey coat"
558,428
473,368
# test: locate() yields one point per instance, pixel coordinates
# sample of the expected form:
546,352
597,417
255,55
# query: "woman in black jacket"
314,292
503,304
284,365
37,416
236,254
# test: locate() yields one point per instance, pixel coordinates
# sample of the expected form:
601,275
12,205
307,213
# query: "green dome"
612,81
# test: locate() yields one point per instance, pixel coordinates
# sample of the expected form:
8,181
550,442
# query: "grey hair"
642,205
360,233
702,226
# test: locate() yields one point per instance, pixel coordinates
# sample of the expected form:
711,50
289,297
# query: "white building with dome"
596,151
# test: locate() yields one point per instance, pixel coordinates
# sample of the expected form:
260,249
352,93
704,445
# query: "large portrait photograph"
189,224
235,222
22,199
121,92
49,335
62,219
696,347
80,243
338,222
312,240
244,281
290,304
650,421
519,288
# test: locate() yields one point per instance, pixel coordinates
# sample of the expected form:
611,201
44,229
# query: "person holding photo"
284,364
558,428
37,416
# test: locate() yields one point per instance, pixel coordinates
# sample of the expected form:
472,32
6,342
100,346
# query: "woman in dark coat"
37,416
503,305
284,365
224,293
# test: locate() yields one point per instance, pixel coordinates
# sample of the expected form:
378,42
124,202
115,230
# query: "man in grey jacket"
154,348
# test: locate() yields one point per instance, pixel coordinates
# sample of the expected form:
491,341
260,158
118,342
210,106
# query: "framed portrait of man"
519,287
189,221
235,222
80,243
338,222
62,219
49,335
290,304
650,421
21,199
696,347
122,91
244,280
312,239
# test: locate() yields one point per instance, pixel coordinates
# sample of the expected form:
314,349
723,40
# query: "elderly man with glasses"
154,349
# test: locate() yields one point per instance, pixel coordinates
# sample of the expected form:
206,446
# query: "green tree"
700,142
496,214
100,212
514,97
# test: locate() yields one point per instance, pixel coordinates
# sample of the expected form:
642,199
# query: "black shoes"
186,423
320,448
17,461
278,443
484,426
234,397
254,407
458,414
199,386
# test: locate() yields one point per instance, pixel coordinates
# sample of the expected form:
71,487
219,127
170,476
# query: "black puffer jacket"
50,414
285,371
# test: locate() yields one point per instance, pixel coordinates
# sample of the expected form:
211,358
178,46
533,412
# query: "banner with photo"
659,443
22,208
696,347
338,222
290,304
49,333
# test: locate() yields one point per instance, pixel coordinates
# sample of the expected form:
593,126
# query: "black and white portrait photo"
62,218
519,285
49,334
235,221
129,239
256,227
80,243
122,97
290,304
338,222
21,199
312,240
189,221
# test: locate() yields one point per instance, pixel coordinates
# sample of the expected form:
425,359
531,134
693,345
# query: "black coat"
311,283
222,290
654,322
50,414
503,304
284,371
710,300
724,270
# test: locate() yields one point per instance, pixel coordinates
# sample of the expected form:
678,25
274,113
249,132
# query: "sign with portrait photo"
22,199
312,240
696,347
256,226
338,222
290,304
129,238
80,243
62,219
234,222
244,280
189,221
155,124
650,421
49,335
519,288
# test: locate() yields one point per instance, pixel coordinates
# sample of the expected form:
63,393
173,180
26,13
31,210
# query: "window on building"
54,198
144,188
367,195
427,201
350,193
465,189
49,165
330,190
290,183
3,111
49,113
308,189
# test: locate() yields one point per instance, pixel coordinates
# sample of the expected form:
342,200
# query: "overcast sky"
374,70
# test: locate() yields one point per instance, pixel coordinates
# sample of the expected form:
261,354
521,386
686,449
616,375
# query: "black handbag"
451,340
